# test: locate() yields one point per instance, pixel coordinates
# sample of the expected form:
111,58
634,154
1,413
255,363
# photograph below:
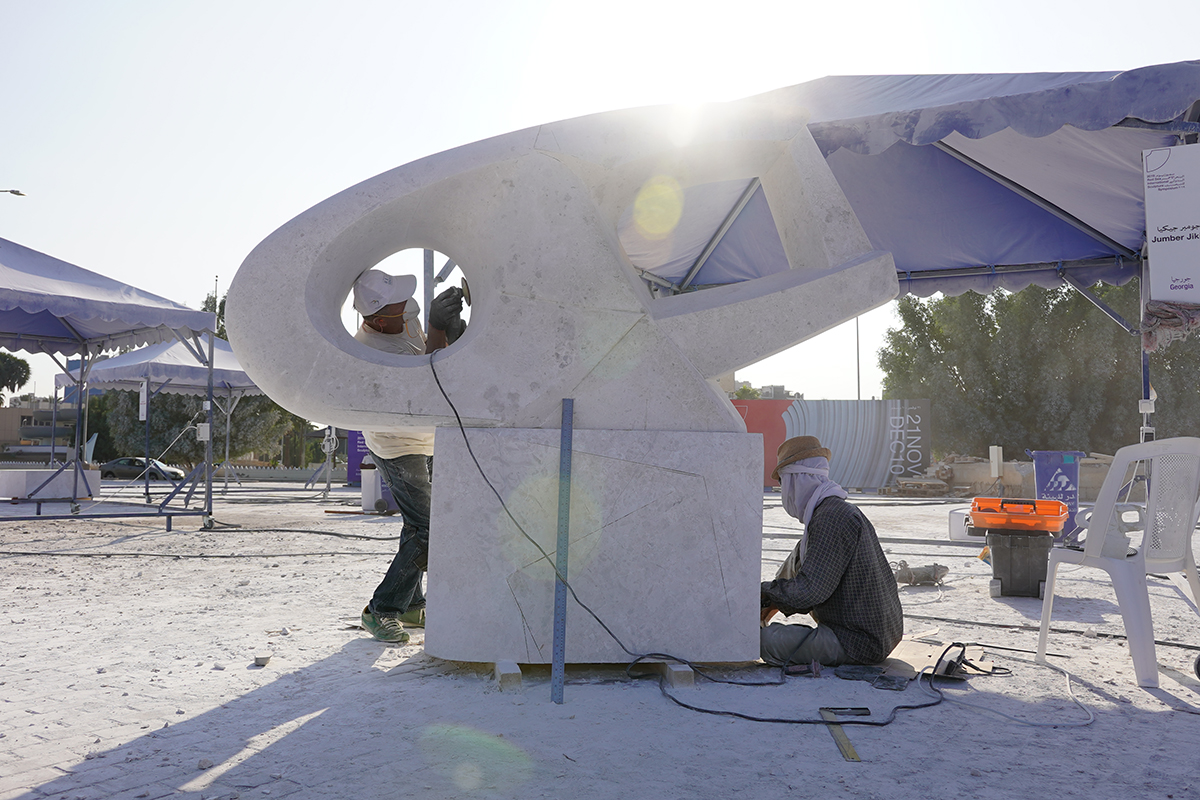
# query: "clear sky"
159,142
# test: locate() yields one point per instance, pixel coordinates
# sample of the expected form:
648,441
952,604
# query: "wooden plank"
839,735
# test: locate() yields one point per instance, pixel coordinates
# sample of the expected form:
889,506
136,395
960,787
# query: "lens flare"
535,503
474,760
658,207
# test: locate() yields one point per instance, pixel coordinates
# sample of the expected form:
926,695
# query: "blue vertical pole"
558,666
146,389
208,455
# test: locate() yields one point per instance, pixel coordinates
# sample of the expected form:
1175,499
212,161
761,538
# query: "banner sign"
874,442
1056,474
356,450
908,438
1172,182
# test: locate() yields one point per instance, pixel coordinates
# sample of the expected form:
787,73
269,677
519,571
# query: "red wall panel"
765,417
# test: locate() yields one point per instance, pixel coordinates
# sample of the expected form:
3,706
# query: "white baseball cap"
375,289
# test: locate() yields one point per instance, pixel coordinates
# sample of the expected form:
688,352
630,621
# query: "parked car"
133,468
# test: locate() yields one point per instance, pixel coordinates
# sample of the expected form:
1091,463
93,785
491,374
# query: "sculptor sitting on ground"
403,456
837,573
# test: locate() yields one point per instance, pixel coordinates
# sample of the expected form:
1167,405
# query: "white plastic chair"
1172,508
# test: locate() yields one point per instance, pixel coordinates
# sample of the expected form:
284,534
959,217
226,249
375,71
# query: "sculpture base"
665,545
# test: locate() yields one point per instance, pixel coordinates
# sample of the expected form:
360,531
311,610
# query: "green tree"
297,450
212,305
747,393
1041,369
14,372
97,421
292,428
256,426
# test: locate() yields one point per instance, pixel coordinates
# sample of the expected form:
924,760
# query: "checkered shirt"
845,584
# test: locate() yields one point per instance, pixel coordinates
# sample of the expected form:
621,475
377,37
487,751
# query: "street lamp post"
17,192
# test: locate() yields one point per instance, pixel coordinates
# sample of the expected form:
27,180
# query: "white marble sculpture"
666,528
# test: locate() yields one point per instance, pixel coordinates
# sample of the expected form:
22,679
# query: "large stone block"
665,545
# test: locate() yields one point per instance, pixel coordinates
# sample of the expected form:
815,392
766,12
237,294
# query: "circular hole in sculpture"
411,261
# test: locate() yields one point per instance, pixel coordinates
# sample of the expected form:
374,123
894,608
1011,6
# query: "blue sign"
356,449
1056,475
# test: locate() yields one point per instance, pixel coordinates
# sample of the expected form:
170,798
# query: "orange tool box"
1018,516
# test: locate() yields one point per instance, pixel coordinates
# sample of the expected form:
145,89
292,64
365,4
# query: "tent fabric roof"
869,114
51,306
170,361
1065,191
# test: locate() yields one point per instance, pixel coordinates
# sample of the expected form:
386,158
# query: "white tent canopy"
172,368
173,362
51,306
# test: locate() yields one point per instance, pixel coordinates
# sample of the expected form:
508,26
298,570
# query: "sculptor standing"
837,573
404,456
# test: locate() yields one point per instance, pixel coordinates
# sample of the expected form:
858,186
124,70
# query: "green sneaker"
414,617
385,629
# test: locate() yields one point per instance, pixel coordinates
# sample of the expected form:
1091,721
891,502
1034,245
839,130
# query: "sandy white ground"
128,653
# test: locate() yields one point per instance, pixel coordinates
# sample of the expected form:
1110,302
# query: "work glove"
445,308
457,328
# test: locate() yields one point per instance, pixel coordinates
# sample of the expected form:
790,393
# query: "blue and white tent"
171,366
972,182
51,306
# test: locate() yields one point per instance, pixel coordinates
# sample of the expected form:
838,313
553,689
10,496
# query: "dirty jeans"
780,644
407,477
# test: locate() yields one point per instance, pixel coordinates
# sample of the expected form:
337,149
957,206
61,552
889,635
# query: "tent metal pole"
228,420
730,218
195,348
445,271
428,287
910,275
208,468
146,389
650,277
230,405
53,425
1109,311
1179,126
1037,200
81,392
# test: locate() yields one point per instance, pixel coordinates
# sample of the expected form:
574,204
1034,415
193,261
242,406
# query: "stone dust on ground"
128,671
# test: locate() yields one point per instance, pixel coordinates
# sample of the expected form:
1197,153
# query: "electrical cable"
336,534
143,554
462,428
891,717
866,501
938,599
1007,626
141,475
1070,692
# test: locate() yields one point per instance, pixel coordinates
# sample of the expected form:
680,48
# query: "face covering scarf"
805,483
